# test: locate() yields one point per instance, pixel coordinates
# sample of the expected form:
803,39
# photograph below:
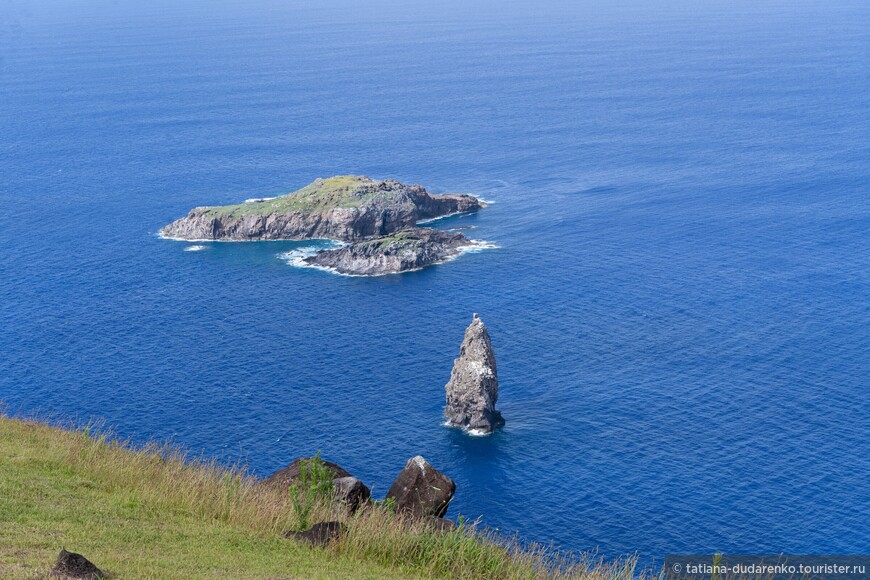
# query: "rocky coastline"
376,219
406,250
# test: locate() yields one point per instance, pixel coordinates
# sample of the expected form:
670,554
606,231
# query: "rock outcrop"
440,524
420,490
72,565
407,249
351,492
473,387
285,477
346,208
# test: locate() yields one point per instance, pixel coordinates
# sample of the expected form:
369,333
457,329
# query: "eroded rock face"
346,208
72,565
407,249
473,387
285,477
420,490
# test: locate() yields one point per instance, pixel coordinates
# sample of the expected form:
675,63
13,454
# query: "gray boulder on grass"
351,492
421,490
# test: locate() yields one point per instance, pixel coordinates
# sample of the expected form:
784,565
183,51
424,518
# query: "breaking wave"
296,257
477,246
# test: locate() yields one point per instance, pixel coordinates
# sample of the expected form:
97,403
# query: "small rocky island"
473,388
407,249
377,219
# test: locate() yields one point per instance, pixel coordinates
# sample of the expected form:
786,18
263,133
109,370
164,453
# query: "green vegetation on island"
404,238
347,208
341,191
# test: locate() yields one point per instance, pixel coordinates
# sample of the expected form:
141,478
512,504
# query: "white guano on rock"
473,387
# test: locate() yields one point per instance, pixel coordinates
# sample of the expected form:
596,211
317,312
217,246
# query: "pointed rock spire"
473,388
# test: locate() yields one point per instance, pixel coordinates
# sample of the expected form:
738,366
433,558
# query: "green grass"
153,513
401,237
318,196
138,516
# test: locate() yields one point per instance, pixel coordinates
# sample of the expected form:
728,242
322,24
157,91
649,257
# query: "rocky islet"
375,219
472,390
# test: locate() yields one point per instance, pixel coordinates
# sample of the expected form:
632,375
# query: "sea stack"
473,388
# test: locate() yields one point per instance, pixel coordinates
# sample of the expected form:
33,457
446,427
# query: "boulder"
284,478
473,387
421,490
351,492
72,565
318,534
440,524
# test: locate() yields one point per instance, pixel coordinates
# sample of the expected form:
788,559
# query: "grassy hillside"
153,514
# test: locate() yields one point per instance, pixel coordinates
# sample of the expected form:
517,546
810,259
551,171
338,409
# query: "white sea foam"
296,257
258,199
445,216
477,246
163,236
472,432
441,217
195,248
478,432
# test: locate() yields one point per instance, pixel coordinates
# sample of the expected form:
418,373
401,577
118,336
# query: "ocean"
679,297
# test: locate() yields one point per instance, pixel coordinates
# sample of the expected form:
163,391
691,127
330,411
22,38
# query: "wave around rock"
375,219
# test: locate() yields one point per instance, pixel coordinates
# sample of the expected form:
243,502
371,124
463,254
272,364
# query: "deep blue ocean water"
679,301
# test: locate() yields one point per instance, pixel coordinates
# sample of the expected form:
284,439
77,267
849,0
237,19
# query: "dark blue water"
680,301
